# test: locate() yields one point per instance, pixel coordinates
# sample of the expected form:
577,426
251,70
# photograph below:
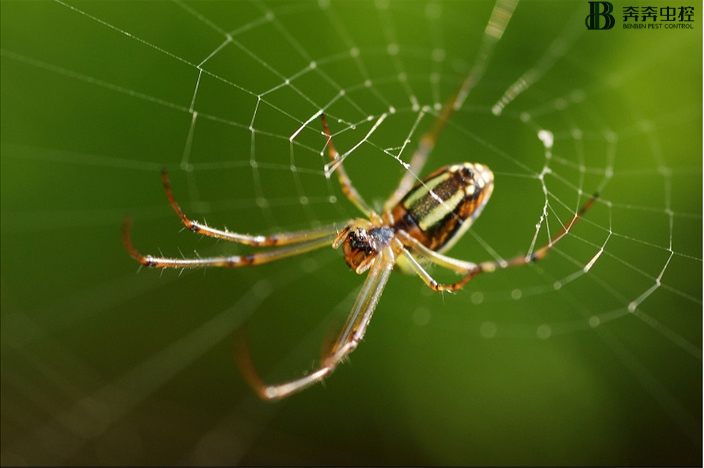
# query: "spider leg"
539,254
542,251
425,146
469,269
323,239
432,283
451,263
347,188
255,241
350,336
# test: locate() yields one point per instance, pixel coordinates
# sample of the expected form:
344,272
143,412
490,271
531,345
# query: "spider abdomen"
438,210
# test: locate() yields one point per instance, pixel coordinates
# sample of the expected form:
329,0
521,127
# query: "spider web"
591,356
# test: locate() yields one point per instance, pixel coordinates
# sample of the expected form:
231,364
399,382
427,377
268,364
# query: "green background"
103,365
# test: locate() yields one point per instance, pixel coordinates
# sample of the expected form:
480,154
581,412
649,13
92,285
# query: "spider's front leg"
288,244
255,241
230,261
345,182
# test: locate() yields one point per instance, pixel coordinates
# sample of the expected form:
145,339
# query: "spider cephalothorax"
361,242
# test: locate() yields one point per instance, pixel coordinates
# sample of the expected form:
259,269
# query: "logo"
640,17
592,21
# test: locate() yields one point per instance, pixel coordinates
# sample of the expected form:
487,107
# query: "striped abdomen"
438,210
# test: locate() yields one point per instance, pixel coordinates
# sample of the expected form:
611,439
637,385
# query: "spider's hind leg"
468,269
352,333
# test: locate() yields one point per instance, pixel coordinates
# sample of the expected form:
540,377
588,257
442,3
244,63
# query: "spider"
419,222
